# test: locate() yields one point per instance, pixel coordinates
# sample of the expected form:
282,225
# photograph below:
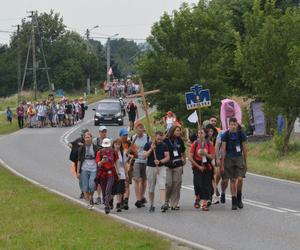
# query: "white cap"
101,128
106,143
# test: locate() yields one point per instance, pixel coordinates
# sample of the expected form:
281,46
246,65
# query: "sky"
128,18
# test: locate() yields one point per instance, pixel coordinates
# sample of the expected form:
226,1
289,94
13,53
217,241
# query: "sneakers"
175,208
98,201
204,206
119,209
138,204
165,207
111,204
217,192
81,196
92,203
152,209
125,206
215,199
107,210
223,200
143,200
234,203
196,204
239,200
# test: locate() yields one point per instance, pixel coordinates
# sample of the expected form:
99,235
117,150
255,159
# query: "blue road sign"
59,93
197,98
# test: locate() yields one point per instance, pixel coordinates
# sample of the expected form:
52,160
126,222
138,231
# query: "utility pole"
88,80
108,60
18,64
34,64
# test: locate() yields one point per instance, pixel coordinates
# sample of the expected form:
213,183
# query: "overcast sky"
129,18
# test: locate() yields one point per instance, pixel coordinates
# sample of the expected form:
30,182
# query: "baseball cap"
101,128
106,143
123,132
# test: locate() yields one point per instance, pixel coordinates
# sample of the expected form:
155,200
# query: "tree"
269,61
191,46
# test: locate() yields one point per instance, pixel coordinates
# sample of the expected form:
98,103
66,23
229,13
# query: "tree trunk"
288,132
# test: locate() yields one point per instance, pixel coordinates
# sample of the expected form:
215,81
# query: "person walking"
21,115
174,168
234,161
139,168
9,115
157,154
106,159
119,189
132,111
201,155
87,168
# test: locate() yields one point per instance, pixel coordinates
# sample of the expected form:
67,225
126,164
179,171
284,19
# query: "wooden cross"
143,94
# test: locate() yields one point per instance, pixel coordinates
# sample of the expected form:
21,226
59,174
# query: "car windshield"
109,106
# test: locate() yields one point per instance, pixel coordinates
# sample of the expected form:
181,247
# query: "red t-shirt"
108,167
207,145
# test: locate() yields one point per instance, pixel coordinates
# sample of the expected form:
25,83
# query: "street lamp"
87,33
108,57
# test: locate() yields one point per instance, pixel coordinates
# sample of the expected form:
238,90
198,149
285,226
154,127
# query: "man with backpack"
139,168
234,161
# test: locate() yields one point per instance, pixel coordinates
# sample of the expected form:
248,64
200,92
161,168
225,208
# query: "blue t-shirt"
234,142
160,153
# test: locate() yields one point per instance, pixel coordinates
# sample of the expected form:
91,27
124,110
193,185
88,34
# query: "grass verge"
264,159
32,218
7,128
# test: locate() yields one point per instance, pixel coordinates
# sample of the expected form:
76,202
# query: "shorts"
153,176
139,171
61,117
234,167
119,187
69,116
87,179
41,118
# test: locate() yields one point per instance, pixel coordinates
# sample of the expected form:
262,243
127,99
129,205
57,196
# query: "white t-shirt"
121,165
41,110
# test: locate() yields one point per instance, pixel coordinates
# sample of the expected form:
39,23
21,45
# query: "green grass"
32,218
6,128
264,159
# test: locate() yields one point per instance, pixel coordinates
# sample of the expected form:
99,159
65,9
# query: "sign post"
197,99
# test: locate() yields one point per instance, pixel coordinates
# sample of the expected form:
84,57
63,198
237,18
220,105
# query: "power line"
126,38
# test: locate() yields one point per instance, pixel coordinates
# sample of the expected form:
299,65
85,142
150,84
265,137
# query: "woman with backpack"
107,175
201,155
174,168
87,168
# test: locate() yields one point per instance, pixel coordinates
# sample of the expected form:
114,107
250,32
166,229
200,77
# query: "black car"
108,111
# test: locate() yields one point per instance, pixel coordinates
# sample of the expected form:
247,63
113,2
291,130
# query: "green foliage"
278,141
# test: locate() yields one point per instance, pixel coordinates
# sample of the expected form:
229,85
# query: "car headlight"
118,114
98,114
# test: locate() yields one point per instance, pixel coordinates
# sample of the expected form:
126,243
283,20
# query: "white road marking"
289,210
274,179
248,202
257,202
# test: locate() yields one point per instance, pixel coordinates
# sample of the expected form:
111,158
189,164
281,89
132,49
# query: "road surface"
269,220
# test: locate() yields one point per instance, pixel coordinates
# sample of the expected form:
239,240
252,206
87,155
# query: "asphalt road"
269,220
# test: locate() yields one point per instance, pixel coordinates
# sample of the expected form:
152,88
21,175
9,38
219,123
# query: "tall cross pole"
143,94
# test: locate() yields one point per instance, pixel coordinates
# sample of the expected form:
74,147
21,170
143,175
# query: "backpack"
239,134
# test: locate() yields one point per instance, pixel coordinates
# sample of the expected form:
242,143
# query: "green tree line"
70,58
233,47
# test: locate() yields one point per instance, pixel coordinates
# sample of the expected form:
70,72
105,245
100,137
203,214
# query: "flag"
110,72
193,118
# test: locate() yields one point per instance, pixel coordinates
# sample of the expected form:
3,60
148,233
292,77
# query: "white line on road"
273,178
247,202
289,210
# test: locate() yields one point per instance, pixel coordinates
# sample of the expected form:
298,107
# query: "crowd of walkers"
120,88
48,113
106,167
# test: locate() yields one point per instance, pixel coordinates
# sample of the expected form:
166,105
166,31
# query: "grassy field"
264,159
32,218
6,128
